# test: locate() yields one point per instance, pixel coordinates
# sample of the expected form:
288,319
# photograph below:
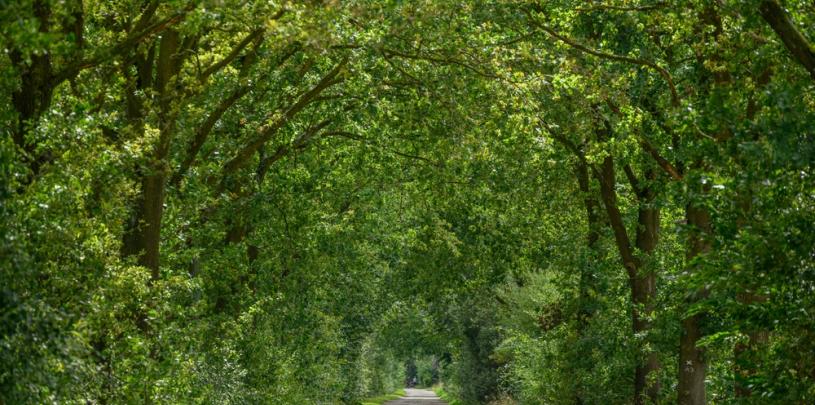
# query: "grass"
439,390
384,398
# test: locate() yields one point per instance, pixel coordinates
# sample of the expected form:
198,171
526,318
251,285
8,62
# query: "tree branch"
632,179
299,143
601,7
661,161
794,40
252,36
355,137
605,55
267,131
127,44
609,196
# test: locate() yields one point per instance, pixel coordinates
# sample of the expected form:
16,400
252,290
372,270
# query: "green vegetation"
439,390
383,398
315,202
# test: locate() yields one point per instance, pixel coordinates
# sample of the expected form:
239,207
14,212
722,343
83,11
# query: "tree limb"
269,130
605,55
612,7
252,36
661,161
794,40
632,179
127,44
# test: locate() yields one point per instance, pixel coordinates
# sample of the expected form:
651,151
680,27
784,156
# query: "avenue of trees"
297,202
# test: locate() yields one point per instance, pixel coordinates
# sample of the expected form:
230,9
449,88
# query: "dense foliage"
534,202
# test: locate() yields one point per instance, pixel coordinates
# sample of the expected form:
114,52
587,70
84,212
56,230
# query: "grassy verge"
383,398
439,390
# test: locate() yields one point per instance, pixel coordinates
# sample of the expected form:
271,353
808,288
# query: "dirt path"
417,397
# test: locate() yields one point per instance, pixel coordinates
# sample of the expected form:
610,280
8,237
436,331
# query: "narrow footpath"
417,397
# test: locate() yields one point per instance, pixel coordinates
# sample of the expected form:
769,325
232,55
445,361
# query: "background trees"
552,202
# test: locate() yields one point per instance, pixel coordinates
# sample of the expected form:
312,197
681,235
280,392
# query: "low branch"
436,59
564,141
632,179
204,130
299,143
608,194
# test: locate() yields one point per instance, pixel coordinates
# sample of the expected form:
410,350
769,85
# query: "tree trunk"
643,286
646,289
587,276
643,295
143,236
153,190
692,364
34,95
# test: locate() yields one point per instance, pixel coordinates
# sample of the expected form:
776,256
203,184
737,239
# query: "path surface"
417,397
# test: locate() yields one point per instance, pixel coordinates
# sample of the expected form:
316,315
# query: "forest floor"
417,397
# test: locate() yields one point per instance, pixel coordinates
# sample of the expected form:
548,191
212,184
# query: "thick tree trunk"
33,98
644,295
143,236
692,364
646,283
642,284
153,189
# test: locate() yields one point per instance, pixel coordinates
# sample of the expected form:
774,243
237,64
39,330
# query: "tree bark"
37,84
692,364
795,42
643,286
646,241
143,237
